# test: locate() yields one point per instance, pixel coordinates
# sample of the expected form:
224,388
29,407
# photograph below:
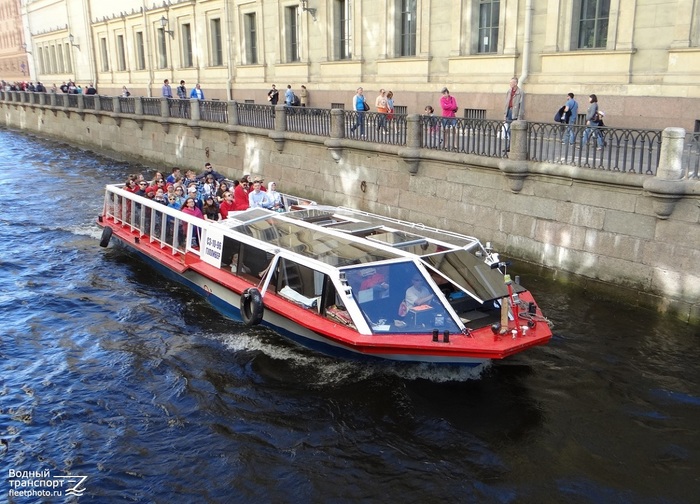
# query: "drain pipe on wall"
527,43
229,70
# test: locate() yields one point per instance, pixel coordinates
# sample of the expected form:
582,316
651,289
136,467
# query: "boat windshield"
398,298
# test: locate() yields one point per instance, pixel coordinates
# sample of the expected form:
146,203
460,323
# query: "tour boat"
339,281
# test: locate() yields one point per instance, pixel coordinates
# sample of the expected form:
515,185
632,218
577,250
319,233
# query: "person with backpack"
570,115
592,123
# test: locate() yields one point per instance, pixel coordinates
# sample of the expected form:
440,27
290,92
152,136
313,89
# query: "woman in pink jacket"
448,104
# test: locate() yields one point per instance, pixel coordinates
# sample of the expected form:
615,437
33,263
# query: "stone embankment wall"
618,229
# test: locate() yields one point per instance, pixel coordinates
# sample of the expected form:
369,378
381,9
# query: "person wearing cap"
449,107
193,192
513,107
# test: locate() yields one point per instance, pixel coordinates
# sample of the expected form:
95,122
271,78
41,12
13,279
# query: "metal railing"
178,108
171,229
127,105
467,136
256,116
375,127
612,149
106,103
312,121
151,106
213,111
691,156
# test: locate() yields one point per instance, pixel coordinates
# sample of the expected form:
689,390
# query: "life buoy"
106,236
251,306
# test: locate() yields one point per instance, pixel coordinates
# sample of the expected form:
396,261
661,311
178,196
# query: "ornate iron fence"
151,106
89,102
468,136
613,149
178,108
127,105
312,121
256,116
213,111
691,156
376,127
73,100
106,103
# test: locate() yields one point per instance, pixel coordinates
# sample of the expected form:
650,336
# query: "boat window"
314,243
300,284
470,274
382,293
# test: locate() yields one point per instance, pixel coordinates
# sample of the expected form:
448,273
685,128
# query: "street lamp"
163,24
305,8
71,39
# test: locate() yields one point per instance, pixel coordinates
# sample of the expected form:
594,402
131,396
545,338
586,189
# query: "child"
432,123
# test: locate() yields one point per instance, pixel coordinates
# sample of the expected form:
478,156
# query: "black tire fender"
106,236
252,307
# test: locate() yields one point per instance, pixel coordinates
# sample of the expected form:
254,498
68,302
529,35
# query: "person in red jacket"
227,205
240,196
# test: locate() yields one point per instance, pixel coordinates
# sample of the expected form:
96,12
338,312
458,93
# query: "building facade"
641,57
14,65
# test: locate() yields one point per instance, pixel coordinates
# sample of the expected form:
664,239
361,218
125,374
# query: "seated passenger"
240,196
275,197
417,294
257,198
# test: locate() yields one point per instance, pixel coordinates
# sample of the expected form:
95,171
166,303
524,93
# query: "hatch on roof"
397,238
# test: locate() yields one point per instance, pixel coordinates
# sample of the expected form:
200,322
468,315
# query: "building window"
69,62
140,52
121,53
217,58
52,52
162,49
105,55
40,59
251,40
59,51
593,24
343,47
406,28
186,31
488,26
292,33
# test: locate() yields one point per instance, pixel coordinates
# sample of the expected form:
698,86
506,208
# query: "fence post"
164,114
335,143
138,112
278,134
668,186
233,121
515,167
195,115
52,99
411,154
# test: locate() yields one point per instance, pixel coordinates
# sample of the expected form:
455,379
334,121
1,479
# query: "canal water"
111,372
